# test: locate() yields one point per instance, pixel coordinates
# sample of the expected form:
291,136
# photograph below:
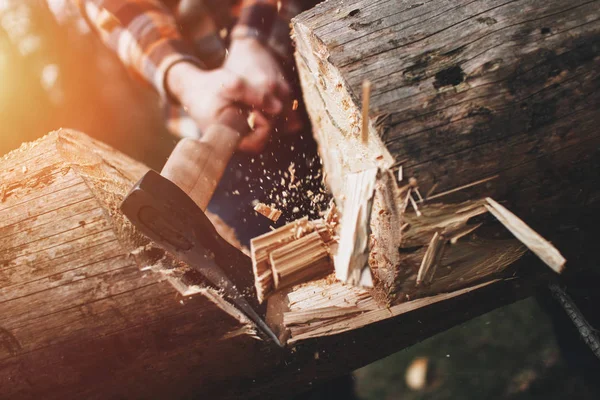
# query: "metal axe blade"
170,218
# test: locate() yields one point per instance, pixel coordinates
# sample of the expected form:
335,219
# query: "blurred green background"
55,73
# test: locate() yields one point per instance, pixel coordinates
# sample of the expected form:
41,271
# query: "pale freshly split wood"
352,255
268,211
530,238
260,248
334,320
293,253
300,261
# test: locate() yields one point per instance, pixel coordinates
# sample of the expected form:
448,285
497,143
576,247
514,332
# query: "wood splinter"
530,238
432,258
366,95
268,211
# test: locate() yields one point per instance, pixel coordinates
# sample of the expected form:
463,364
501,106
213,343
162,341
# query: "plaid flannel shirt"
150,36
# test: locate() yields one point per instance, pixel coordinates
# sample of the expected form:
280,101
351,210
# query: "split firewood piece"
268,211
294,253
353,251
530,238
300,261
431,259
261,247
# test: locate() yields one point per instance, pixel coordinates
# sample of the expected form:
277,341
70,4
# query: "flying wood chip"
268,211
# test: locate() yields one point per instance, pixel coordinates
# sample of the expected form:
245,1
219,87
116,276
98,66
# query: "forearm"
143,34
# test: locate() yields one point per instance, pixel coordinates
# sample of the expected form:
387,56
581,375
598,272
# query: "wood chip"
366,95
295,105
530,238
414,204
251,119
268,211
431,259
292,171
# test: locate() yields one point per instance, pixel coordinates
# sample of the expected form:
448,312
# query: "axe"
169,209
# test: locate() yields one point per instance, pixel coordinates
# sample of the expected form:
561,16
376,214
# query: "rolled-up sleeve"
143,33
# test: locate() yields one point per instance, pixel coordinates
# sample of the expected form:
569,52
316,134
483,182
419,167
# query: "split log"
90,308
472,98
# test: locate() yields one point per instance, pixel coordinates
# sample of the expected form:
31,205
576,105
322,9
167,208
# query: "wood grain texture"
89,308
78,315
462,90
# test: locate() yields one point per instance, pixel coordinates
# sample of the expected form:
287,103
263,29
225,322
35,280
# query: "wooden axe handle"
196,166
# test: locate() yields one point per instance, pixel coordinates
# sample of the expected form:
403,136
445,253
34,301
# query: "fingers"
267,92
256,140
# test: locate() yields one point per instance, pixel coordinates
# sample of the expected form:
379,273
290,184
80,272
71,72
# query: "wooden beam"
89,307
469,99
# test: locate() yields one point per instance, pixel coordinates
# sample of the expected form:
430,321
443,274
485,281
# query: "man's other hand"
251,60
205,94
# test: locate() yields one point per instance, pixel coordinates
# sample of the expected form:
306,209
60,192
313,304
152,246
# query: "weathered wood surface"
461,91
87,308
78,316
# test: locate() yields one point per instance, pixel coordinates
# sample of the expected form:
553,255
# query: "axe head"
171,219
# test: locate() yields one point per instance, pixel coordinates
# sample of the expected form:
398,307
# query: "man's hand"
251,60
205,94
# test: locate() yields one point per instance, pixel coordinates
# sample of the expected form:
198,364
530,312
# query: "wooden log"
471,98
90,308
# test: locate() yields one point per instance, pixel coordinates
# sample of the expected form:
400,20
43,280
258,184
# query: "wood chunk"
260,248
291,254
530,238
268,211
300,260
351,258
